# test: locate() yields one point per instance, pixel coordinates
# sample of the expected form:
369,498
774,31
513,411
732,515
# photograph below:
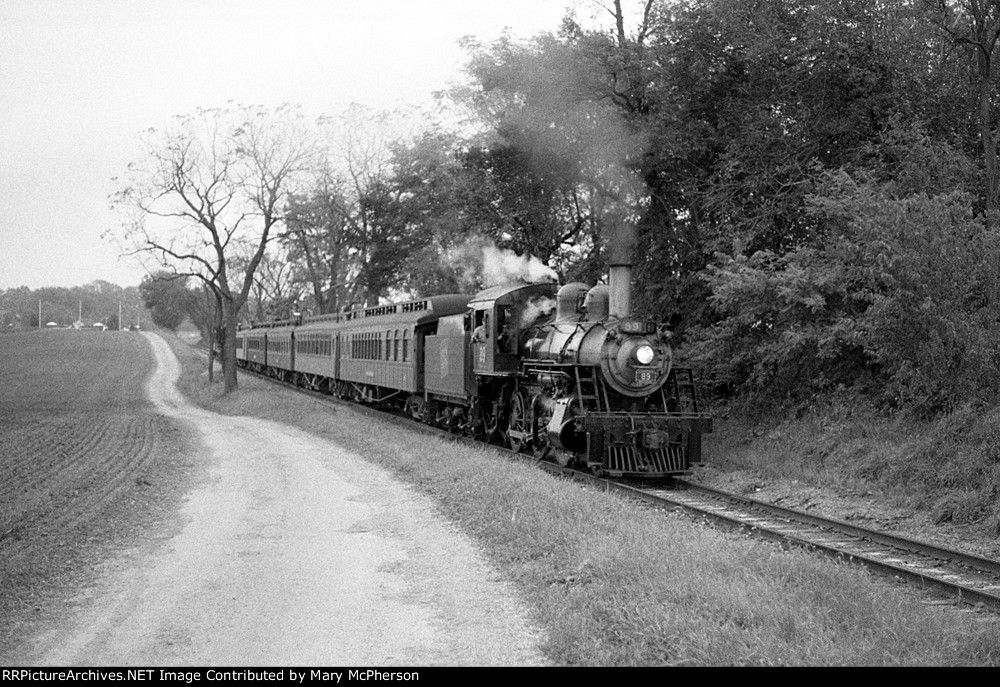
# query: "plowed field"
84,461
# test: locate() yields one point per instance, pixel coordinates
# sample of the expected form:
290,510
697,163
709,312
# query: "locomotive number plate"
646,376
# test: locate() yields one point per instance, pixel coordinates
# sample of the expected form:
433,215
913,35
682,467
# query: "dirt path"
295,553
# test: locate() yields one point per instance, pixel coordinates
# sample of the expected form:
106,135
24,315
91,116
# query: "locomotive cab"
498,320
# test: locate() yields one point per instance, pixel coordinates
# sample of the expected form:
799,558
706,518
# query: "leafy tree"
317,244
901,297
167,298
553,176
208,198
749,101
432,187
973,27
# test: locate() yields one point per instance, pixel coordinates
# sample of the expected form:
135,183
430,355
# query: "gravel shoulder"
288,550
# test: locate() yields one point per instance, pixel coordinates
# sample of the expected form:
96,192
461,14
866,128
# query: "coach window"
395,345
406,345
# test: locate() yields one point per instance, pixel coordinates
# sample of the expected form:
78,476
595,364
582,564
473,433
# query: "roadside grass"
949,468
614,583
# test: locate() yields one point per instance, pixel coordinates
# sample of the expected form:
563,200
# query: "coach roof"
415,311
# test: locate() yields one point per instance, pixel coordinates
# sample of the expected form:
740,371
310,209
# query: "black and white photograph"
388,341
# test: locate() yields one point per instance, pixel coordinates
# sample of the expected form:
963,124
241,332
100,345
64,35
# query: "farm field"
85,463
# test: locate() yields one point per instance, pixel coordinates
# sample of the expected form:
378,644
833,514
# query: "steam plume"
486,265
535,308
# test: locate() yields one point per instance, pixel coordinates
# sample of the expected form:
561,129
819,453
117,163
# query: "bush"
899,295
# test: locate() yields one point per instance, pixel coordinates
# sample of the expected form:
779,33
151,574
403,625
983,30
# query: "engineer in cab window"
480,334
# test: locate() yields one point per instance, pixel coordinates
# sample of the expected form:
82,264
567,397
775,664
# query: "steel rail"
971,579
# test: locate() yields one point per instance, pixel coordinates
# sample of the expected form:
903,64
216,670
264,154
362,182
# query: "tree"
973,26
553,176
273,296
167,297
208,198
353,232
317,243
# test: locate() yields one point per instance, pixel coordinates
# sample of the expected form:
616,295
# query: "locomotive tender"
564,373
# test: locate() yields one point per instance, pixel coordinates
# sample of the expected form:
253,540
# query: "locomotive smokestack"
620,272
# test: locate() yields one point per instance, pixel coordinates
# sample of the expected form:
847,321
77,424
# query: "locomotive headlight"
645,354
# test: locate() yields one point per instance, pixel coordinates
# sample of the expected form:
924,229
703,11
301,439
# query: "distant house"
51,325
100,326
78,324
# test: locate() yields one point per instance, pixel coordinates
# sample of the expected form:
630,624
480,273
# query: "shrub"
899,294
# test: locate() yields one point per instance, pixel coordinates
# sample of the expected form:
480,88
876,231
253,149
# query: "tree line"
97,302
809,191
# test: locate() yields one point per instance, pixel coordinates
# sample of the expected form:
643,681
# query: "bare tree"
208,197
274,294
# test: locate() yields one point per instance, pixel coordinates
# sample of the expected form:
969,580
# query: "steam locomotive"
563,373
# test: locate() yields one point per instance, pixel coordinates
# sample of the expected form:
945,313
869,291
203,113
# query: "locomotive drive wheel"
518,422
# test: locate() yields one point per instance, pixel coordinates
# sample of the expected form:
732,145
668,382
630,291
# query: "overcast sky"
80,78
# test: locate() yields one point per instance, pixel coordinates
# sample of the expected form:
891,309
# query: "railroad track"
955,575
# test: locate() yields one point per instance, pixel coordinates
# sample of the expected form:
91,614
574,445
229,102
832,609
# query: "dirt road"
294,552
